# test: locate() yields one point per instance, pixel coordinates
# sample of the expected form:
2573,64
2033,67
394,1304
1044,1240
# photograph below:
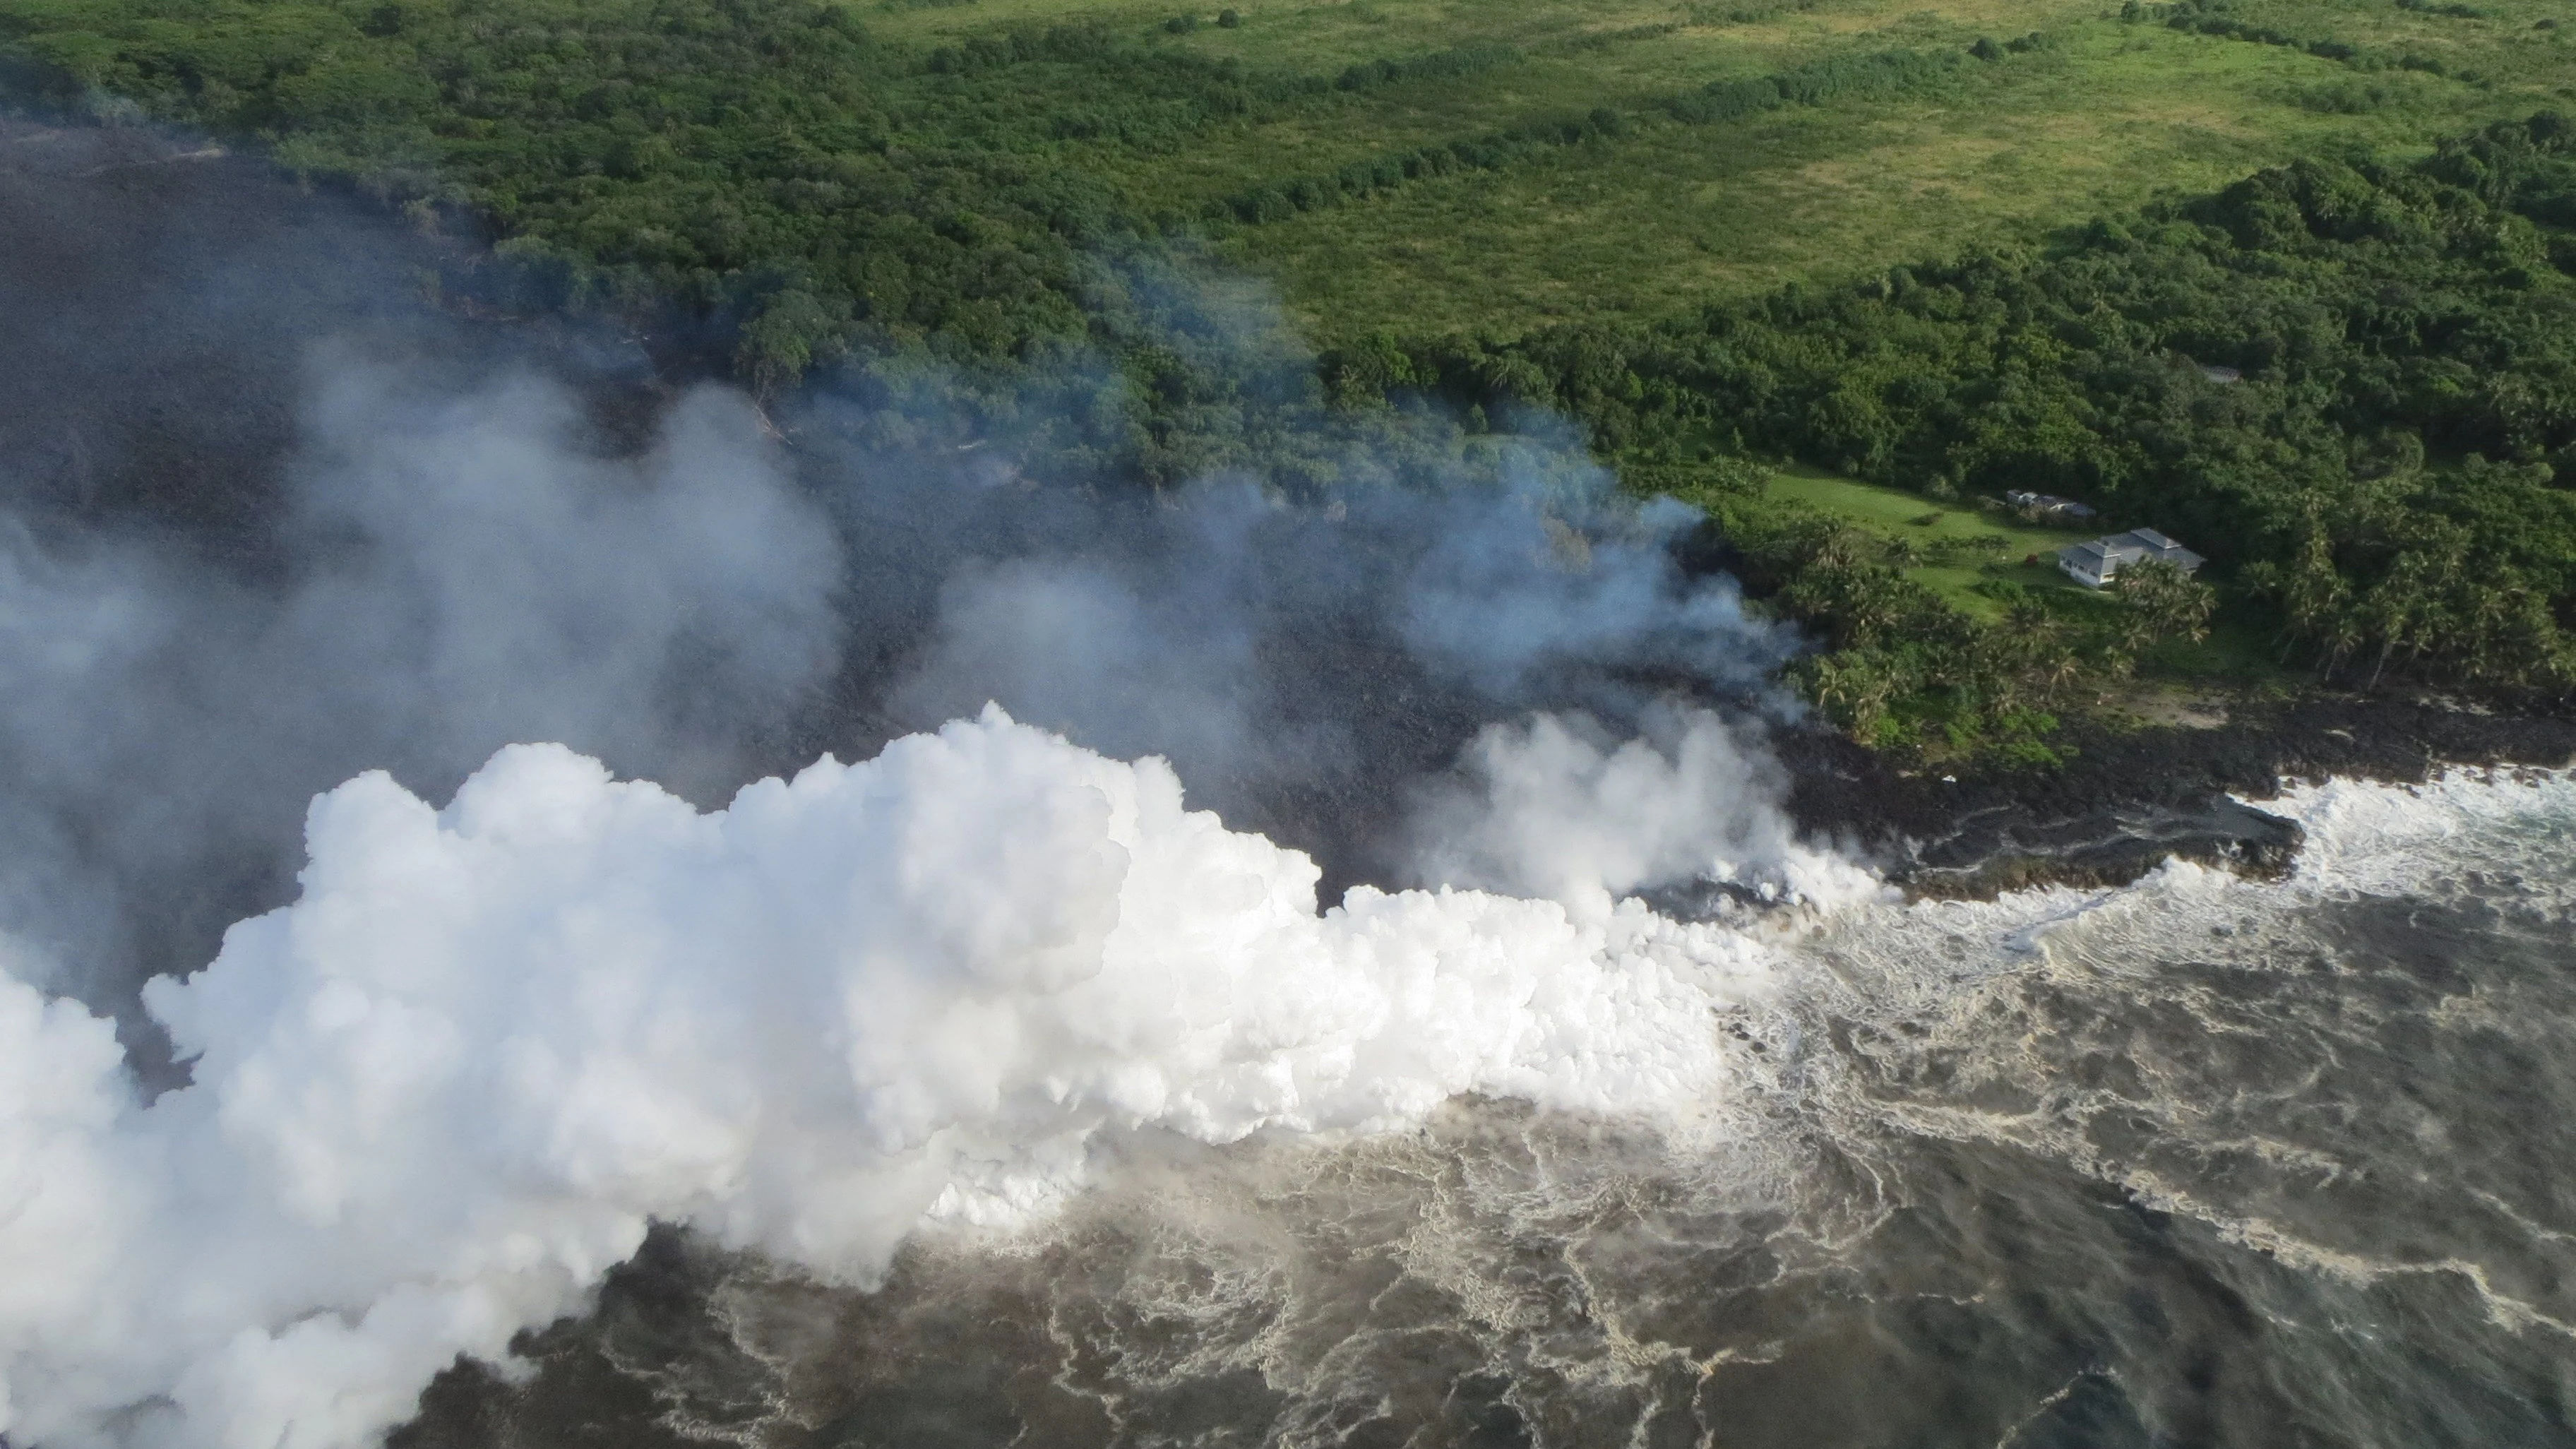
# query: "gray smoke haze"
1299,658
439,1080
451,538
1183,637
465,568
463,573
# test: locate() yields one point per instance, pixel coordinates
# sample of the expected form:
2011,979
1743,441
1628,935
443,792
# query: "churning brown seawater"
2197,1161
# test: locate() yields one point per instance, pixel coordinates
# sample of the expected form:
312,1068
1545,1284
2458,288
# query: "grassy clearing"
1963,544
2241,655
1673,216
1975,542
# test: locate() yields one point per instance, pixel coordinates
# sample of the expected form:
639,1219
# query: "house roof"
2135,546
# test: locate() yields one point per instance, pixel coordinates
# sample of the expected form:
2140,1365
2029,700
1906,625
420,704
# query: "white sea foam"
2367,837
2363,838
2221,1047
440,1095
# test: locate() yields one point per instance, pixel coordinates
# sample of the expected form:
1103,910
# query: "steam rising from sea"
451,1078
989,1088
2184,1162
435,1099
998,1092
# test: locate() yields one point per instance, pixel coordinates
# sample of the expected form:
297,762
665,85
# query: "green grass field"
1964,543
1670,215
1975,542
1962,537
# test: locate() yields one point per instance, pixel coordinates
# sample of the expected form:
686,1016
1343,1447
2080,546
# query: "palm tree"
2163,603
1850,687
2058,668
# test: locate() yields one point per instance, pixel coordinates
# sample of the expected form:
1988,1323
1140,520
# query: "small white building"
2099,562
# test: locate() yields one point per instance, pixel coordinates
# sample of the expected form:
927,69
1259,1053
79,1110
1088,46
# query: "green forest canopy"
2382,455
1590,207
899,174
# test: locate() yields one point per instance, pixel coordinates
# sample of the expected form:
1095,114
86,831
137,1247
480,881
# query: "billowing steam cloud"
460,570
1554,808
441,1094
430,1103
432,1099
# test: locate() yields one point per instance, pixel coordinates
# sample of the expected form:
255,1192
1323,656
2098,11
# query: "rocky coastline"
2128,799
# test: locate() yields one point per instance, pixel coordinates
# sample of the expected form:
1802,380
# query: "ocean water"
2199,1161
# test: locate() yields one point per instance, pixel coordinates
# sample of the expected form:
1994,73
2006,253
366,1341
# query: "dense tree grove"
792,180
751,159
2351,383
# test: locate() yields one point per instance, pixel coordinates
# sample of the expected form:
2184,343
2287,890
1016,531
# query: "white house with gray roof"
2099,562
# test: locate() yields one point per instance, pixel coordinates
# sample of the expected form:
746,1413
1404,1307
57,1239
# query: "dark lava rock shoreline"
2130,799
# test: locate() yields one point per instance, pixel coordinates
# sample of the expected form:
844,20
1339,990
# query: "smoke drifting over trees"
444,1084
405,541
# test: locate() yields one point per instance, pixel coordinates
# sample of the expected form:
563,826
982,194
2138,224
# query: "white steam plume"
433,1101
441,1094
1555,807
